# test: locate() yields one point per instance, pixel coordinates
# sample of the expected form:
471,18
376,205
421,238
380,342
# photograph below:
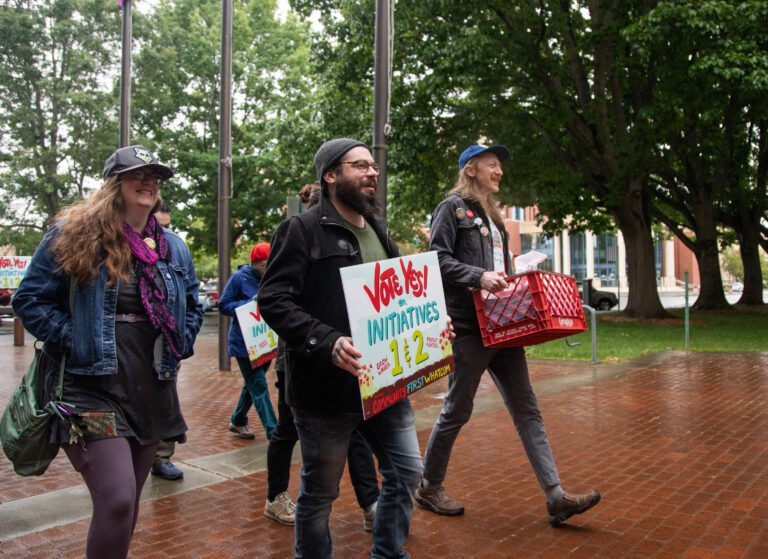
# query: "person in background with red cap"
242,288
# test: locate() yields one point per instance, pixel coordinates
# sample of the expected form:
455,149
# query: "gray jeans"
509,371
164,452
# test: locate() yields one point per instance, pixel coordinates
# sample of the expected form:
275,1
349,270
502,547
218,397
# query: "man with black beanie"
302,299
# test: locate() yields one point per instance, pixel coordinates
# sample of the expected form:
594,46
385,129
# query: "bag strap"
63,362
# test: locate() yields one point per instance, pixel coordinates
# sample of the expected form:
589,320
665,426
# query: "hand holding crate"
536,307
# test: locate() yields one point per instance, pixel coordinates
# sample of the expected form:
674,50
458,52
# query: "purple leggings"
114,471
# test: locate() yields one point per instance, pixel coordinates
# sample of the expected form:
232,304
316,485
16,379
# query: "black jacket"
302,299
463,251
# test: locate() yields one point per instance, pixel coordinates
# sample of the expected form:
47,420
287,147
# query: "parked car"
210,289
206,300
5,302
600,300
737,287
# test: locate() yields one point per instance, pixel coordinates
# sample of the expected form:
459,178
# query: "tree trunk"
749,247
644,300
711,294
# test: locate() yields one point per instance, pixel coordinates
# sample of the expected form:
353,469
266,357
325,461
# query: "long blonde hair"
91,236
466,187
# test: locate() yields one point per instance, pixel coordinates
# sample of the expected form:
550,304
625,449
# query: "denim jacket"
42,304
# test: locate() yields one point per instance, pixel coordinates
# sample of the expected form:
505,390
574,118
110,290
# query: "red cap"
260,251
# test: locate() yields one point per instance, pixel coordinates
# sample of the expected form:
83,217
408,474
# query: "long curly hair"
466,187
91,236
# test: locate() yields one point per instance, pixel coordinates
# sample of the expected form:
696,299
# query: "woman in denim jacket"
135,317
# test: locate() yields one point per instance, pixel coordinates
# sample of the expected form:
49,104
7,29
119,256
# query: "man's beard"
348,192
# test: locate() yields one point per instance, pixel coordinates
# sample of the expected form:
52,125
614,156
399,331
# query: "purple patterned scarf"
152,297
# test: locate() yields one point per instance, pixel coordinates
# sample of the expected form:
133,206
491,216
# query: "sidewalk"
677,444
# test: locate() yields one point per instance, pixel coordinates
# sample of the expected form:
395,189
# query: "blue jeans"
256,392
325,437
362,470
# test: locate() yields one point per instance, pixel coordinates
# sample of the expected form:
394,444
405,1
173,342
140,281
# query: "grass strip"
740,328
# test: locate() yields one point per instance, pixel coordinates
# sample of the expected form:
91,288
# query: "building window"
578,255
606,258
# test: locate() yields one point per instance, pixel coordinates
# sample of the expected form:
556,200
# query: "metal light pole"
687,315
381,92
125,77
225,170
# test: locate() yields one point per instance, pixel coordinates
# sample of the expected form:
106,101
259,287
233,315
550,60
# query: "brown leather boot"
568,505
437,500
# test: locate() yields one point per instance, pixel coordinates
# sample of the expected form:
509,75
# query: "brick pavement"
208,397
678,448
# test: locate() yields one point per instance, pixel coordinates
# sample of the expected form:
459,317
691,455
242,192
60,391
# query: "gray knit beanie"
330,152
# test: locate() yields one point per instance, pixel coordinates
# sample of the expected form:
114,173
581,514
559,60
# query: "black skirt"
144,406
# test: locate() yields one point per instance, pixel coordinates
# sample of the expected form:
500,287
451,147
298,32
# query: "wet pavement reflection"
677,444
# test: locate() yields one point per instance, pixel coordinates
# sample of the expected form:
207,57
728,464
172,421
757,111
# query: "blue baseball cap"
473,151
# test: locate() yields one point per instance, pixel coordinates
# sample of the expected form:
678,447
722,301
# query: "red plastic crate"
536,307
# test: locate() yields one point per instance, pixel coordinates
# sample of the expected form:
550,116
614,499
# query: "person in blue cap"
472,245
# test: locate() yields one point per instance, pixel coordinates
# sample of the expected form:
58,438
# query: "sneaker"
369,513
437,500
167,470
568,505
281,509
242,431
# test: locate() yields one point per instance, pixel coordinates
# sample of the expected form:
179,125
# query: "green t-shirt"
371,248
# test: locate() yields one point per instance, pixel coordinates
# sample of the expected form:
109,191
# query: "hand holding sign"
449,328
401,332
345,356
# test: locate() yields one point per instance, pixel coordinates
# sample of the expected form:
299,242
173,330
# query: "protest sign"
12,269
398,318
259,338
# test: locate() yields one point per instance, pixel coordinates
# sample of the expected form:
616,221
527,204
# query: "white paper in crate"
529,261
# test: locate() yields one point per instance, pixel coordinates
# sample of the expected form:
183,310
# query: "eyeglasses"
144,177
362,165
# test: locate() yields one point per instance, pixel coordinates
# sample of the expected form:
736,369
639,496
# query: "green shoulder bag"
26,423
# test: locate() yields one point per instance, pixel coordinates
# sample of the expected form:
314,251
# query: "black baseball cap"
134,157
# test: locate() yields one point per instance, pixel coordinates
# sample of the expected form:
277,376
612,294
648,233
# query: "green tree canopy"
708,122
57,108
556,81
176,101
